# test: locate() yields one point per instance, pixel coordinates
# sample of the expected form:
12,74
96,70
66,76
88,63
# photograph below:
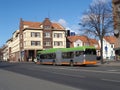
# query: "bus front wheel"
71,63
54,63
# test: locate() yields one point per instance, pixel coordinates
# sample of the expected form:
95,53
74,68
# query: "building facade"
76,41
108,47
11,51
116,17
32,37
35,36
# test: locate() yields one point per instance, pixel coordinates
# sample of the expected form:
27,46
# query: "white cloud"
65,24
62,22
97,1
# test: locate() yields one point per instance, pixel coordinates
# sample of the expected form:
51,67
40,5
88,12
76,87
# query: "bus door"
90,54
79,56
58,57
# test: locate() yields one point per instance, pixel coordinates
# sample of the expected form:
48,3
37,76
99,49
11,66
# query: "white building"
75,41
108,47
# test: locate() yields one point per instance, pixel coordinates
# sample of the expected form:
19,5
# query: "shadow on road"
6,65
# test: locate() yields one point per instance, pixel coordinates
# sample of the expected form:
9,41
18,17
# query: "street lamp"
116,32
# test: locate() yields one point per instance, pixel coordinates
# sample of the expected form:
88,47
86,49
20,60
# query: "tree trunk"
101,50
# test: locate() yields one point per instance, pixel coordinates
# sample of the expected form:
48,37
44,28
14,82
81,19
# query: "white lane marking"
111,80
78,76
112,70
109,71
94,71
68,74
79,69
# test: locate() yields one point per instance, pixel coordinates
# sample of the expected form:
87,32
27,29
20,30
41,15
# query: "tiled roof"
94,42
32,24
75,38
110,39
84,39
55,26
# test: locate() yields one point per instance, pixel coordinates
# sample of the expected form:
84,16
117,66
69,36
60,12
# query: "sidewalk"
110,63
13,81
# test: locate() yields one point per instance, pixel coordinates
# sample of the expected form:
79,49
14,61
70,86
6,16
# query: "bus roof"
53,50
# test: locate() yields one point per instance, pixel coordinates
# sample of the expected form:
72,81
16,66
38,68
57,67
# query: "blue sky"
66,12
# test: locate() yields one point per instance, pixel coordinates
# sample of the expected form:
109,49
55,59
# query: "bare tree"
98,21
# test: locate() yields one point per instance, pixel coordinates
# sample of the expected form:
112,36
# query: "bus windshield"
90,52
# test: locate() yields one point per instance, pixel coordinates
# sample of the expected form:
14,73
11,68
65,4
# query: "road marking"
112,70
109,71
76,69
100,71
111,80
78,76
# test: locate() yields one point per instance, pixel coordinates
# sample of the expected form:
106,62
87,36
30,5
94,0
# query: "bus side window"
78,53
67,54
94,52
54,55
51,56
71,54
41,57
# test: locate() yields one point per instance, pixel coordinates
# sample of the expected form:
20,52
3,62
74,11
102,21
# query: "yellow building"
32,37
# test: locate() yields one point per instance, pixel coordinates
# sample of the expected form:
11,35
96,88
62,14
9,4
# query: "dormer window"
47,27
25,26
41,26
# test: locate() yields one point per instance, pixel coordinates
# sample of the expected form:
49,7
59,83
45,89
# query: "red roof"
75,38
30,24
84,39
110,39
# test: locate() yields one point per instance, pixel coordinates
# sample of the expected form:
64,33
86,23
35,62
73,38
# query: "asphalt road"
78,77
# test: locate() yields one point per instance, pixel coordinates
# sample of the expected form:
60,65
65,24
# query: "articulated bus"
68,56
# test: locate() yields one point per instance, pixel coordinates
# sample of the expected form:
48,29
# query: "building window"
47,35
78,44
112,46
35,34
58,43
57,35
47,43
35,43
47,27
24,43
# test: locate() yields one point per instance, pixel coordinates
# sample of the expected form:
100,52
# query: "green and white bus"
68,56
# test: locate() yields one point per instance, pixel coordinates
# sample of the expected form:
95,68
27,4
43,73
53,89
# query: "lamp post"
116,33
